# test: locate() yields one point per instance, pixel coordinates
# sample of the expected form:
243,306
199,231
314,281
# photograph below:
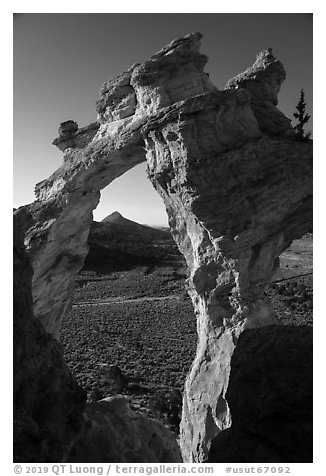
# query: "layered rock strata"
237,187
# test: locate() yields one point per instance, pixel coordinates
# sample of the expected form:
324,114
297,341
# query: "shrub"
167,406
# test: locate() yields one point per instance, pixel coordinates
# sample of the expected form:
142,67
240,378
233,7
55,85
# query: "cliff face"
237,187
48,404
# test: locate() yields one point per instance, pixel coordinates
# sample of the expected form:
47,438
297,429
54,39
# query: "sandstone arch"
236,184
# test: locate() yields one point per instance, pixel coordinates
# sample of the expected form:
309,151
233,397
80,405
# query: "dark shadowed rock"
48,403
114,433
270,398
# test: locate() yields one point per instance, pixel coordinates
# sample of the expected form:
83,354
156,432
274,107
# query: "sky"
60,62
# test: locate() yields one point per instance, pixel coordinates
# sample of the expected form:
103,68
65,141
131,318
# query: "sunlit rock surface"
237,187
71,136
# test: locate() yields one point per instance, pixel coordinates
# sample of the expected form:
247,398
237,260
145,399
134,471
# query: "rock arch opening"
131,311
237,187
135,198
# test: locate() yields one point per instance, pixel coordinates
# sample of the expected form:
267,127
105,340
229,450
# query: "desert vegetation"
141,322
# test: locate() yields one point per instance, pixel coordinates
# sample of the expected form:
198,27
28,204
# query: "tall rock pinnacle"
237,187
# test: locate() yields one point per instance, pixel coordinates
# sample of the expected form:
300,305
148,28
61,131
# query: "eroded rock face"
237,187
48,404
263,80
71,136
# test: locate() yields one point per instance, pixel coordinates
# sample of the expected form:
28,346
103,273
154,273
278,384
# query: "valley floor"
142,321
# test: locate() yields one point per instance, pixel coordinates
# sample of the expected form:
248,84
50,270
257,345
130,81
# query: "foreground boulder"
270,398
237,186
114,433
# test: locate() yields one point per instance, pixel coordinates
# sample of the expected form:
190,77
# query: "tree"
302,117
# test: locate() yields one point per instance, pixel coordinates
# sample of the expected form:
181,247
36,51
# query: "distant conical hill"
117,226
116,243
114,217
